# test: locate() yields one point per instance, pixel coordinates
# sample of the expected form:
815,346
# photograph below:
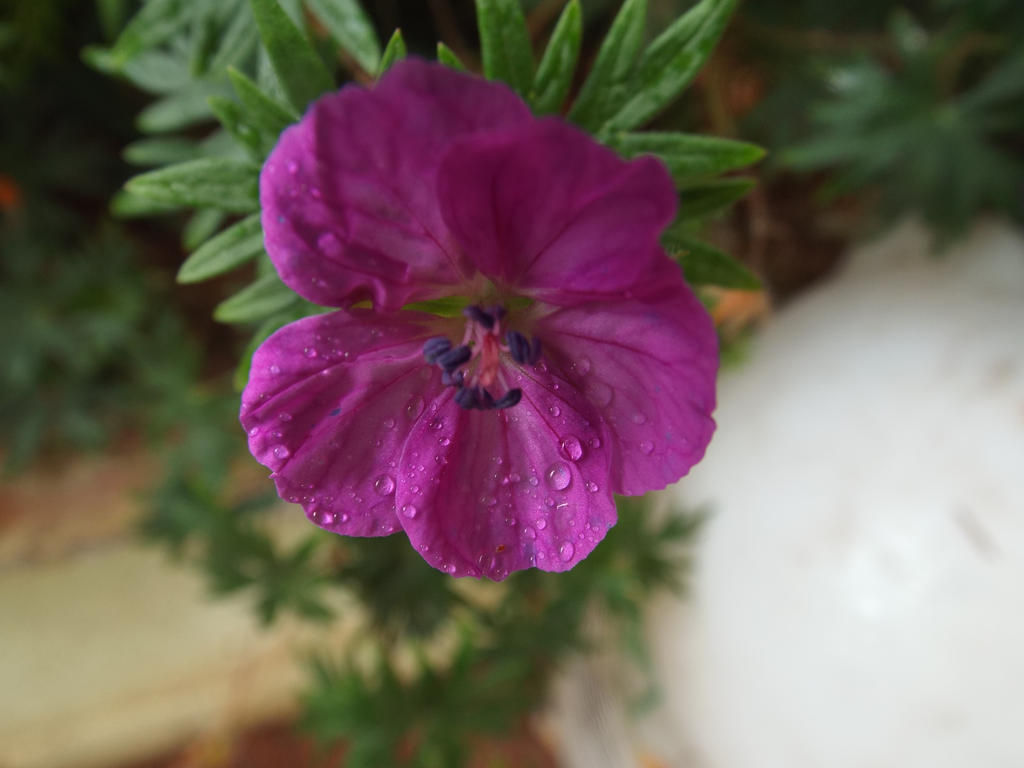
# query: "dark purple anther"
485,398
535,351
477,315
466,398
453,378
497,312
510,398
432,348
518,346
454,357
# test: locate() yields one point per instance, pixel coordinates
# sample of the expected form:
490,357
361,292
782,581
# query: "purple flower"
581,364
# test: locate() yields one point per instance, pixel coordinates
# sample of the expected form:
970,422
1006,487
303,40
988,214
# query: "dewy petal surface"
648,366
330,402
548,210
485,493
349,193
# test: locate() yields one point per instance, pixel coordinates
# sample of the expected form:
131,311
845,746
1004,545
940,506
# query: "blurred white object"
859,599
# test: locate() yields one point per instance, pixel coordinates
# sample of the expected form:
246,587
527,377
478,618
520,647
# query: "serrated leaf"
296,63
505,43
265,113
351,28
447,56
604,88
256,301
671,61
185,108
238,41
222,183
702,200
395,51
125,205
156,72
688,157
154,23
201,225
233,247
233,117
554,75
704,264
161,151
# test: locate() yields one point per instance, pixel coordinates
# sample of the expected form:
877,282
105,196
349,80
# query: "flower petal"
330,402
548,210
648,366
349,193
491,492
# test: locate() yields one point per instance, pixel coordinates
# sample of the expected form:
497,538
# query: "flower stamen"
481,343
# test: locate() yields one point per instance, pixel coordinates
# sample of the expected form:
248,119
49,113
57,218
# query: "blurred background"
839,584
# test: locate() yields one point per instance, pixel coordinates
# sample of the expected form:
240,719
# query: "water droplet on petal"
275,369
592,486
254,431
309,352
542,524
293,167
599,392
384,485
449,567
445,441
572,449
529,533
284,416
595,442
488,501
558,476
638,418
554,410
566,550
533,480
646,447
389,423
281,451
583,365
414,407
410,511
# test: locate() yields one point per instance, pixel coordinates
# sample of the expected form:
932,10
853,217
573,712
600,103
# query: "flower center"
474,367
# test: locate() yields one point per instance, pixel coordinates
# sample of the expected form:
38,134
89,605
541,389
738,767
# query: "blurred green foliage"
917,106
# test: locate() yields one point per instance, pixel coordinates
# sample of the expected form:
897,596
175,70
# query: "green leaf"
671,61
394,51
554,75
234,119
238,41
505,43
233,247
699,201
256,301
222,183
266,113
182,109
604,88
705,265
351,28
687,156
296,63
201,225
161,151
447,56
125,205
